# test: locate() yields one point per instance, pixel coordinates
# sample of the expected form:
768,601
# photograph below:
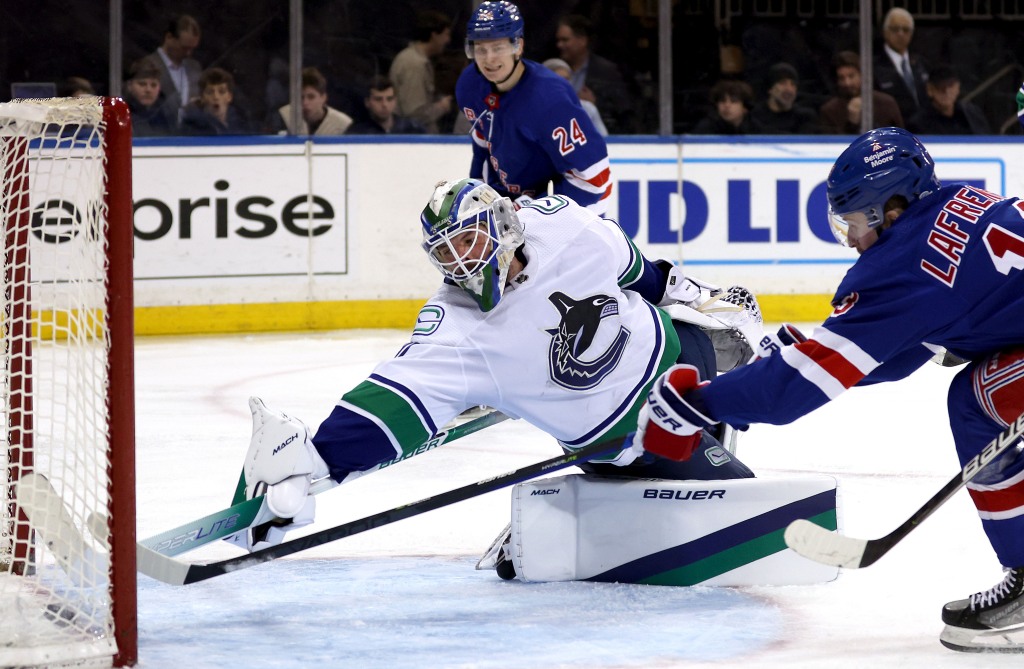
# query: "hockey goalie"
549,314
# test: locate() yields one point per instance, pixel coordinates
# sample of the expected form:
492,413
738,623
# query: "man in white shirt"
897,72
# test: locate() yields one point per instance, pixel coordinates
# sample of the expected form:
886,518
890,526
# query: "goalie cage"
68,598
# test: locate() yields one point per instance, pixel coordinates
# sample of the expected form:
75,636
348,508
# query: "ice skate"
990,621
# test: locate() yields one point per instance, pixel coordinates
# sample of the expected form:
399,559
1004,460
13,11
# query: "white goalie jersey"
570,348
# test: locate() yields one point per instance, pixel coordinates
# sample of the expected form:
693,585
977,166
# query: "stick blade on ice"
825,546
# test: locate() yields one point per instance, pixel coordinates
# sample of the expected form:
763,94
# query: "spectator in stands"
75,87
412,72
381,118
731,100
945,113
318,118
213,112
562,69
1020,106
778,113
896,71
146,101
179,72
595,79
841,114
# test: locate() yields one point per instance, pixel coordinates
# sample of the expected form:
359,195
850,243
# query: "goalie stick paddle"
174,572
244,514
831,548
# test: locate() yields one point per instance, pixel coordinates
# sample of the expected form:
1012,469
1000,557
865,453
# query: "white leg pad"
726,533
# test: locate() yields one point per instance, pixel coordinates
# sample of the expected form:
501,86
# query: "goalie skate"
496,558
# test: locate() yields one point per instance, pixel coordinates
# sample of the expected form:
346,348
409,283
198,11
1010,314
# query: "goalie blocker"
661,532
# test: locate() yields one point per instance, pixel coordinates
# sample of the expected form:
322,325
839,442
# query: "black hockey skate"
990,621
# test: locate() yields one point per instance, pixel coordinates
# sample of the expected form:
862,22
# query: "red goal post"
67,458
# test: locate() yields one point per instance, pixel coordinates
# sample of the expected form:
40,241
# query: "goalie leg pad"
281,460
658,532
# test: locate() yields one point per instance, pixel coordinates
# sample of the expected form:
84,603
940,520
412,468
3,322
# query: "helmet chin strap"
515,64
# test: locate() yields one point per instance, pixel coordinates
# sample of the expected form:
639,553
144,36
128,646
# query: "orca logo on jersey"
587,325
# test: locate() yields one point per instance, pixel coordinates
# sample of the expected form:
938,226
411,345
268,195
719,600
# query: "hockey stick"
51,518
175,572
826,547
247,513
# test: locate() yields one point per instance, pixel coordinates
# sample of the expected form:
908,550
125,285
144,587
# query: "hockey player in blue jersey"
528,128
939,267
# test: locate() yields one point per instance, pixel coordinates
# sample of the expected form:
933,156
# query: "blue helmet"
471,234
876,166
494,20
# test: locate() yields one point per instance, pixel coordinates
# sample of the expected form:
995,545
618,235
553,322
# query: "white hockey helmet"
471,234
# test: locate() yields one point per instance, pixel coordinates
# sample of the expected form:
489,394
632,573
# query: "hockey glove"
788,334
282,461
682,289
670,426
522,201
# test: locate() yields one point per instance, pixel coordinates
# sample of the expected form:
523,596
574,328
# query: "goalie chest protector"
658,532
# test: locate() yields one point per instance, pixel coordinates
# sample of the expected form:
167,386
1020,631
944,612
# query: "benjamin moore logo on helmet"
880,157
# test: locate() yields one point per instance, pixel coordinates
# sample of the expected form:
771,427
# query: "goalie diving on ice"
548,314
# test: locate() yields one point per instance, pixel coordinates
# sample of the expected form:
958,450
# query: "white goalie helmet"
471,234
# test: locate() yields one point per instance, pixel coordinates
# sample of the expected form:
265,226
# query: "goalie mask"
471,234
878,165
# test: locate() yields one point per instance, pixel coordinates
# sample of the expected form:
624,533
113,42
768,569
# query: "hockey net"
67,519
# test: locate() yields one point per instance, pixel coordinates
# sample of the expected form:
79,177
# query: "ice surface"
406,595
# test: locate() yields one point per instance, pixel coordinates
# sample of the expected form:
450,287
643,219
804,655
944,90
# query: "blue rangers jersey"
532,134
949,273
572,348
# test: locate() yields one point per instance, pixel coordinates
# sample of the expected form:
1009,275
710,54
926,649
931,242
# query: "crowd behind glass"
193,68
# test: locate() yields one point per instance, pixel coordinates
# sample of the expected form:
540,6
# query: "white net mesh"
54,584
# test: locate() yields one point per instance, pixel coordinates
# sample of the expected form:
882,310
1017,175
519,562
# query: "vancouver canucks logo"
588,342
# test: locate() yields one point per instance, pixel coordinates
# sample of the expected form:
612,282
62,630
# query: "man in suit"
596,79
897,72
179,72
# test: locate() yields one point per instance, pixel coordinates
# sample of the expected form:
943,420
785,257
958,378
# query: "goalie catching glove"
281,463
669,425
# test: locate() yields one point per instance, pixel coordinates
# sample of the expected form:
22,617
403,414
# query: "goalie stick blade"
51,519
816,543
174,572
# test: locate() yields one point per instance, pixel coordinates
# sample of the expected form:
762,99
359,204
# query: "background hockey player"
528,128
939,267
547,315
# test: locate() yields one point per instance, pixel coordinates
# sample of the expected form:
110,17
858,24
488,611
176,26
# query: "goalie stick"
174,572
52,520
831,548
244,514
